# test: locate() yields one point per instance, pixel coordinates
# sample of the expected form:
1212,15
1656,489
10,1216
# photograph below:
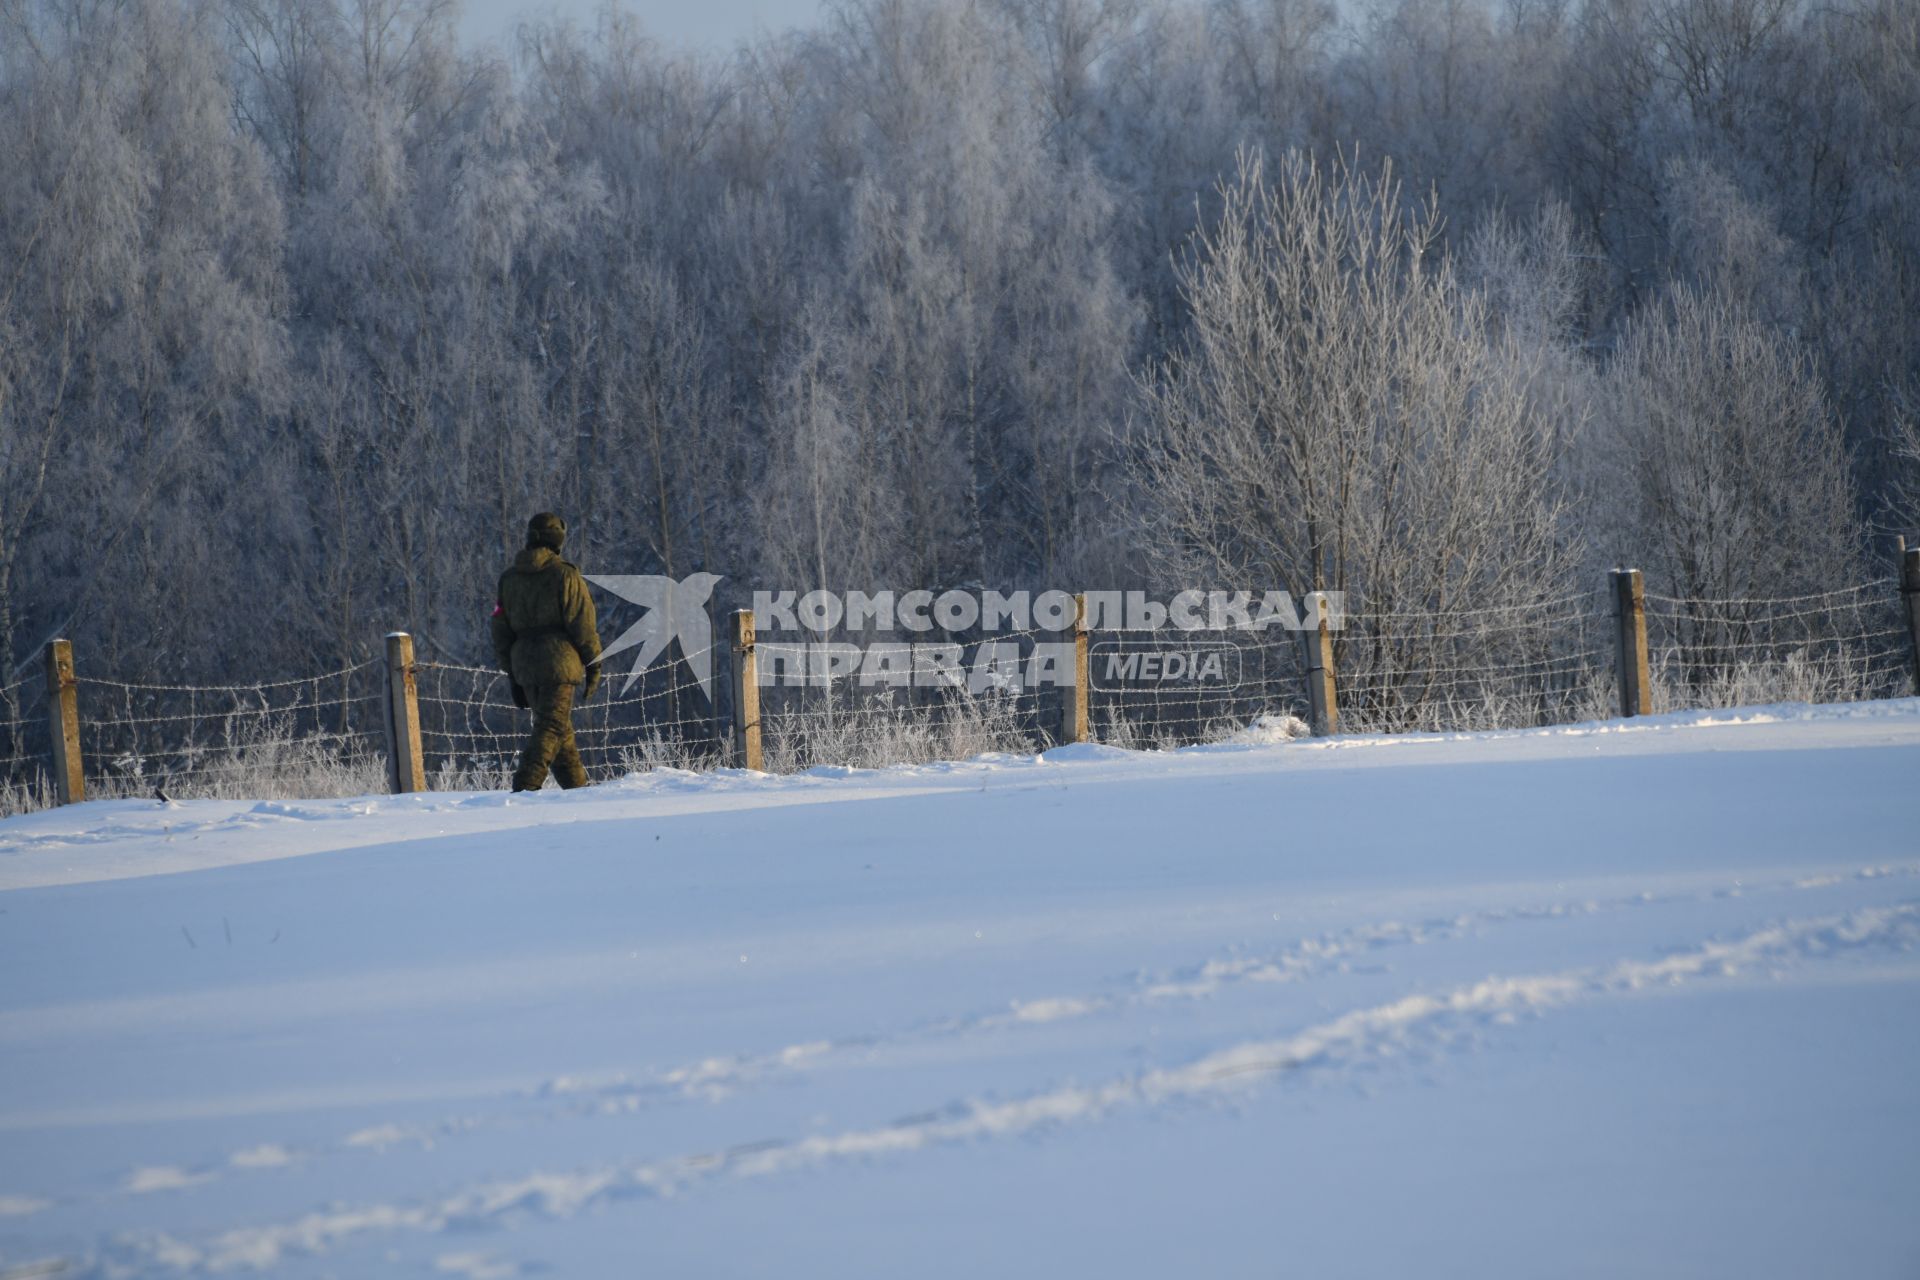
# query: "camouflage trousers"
551,742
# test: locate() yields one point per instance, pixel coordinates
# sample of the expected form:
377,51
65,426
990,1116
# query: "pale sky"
714,25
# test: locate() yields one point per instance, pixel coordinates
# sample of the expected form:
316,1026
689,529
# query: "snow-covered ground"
1615,1000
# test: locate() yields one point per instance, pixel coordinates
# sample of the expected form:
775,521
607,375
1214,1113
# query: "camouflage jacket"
543,625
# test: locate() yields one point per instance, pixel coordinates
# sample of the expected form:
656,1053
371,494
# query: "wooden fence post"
63,724
1323,702
1075,699
746,692
406,765
1910,596
1634,674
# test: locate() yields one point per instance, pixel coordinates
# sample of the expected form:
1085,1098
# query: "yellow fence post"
746,692
406,766
1076,698
63,723
1630,643
1323,702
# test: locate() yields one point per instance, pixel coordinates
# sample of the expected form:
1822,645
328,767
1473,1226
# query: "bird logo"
675,610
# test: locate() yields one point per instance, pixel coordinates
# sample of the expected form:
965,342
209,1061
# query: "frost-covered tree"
1341,417
308,291
140,349
1734,462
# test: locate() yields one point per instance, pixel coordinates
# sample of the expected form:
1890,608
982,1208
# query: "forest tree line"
305,307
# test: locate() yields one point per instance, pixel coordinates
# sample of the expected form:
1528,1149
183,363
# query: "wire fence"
471,731
1531,663
313,736
1837,646
25,746
1540,662
1156,689
950,696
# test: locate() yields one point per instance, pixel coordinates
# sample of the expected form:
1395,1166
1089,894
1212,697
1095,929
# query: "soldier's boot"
567,769
552,731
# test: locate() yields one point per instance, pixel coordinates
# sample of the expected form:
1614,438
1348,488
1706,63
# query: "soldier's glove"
591,683
519,697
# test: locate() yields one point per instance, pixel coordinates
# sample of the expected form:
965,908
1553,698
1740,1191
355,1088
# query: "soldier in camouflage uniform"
544,639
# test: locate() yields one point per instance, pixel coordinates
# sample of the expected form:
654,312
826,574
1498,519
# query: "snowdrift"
1626,998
